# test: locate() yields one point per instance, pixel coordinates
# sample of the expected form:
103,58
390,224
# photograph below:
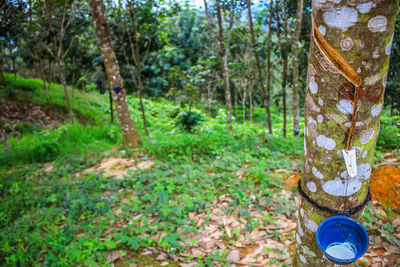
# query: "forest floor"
71,195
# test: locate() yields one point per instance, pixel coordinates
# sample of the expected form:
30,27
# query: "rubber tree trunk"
3,79
3,131
362,34
111,106
236,103
46,91
244,104
266,92
139,77
267,100
224,63
295,68
131,136
61,73
284,74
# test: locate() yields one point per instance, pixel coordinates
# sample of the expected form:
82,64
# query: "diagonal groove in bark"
345,69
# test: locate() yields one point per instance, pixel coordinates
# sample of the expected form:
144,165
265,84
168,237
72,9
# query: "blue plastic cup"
342,239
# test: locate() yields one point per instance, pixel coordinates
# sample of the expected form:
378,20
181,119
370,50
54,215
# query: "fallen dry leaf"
113,256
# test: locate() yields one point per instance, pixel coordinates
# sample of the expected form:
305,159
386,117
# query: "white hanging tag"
350,160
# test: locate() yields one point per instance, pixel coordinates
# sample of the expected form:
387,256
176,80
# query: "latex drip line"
350,211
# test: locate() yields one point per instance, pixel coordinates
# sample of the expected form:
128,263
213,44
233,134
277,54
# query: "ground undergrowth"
214,196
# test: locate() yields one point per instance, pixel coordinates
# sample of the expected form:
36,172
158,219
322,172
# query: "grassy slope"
54,217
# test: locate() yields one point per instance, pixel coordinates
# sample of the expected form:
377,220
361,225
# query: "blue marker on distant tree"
117,89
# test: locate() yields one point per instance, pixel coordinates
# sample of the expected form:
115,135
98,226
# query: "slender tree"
59,18
131,136
223,48
347,72
265,91
284,51
295,68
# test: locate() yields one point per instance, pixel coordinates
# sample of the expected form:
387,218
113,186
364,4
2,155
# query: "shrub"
189,119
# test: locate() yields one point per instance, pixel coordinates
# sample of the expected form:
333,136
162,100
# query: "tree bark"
251,105
50,75
43,78
236,103
111,106
363,39
284,75
14,67
244,104
61,73
131,136
284,60
224,64
259,73
3,79
138,62
295,68
267,100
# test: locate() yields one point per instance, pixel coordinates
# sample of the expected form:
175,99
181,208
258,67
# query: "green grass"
60,218
88,106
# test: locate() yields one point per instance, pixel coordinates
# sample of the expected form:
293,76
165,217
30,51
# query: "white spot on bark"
366,136
341,18
322,29
358,124
389,46
377,24
320,101
311,186
384,81
302,212
372,79
320,118
305,145
345,106
303,260
366,7
325,142
311,121
376,110
364,171
364,154
317,173
313,85
346,44
375,54
311,225
298,239
338,187
358,70
299,229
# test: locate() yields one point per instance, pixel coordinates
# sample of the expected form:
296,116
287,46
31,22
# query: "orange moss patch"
385,186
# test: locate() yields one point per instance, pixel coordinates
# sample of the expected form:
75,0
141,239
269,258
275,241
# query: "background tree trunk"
138,64
61,73
267,100
295,68
131,136
43,79
111,106
284,74
224,64
3,79
259,73
236,103
284,58
363,38
244,104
